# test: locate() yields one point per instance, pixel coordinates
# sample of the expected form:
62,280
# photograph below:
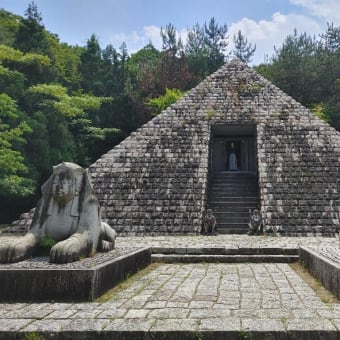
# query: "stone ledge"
225,332
62,283
322,267
169,258
224,250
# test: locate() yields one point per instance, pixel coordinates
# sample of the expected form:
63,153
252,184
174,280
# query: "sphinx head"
66,179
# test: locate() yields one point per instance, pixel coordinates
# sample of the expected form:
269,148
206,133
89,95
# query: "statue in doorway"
209,223
255,223
232,158
68,213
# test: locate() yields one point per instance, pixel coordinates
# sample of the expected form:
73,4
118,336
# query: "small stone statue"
255,223
67,213
209,222
232,158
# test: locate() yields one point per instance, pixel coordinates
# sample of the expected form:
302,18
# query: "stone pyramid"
156,180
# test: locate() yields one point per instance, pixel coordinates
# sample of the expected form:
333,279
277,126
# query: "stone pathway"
226,241
192,301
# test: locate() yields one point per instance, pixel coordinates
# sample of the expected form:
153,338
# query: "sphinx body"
67,213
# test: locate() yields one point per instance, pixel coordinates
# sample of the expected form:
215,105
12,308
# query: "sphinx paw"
65,251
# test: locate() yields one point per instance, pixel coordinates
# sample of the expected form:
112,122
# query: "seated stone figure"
255,223
209,222
68,213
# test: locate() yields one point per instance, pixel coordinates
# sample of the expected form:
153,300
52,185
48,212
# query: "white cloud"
137,40
264,33
327,9
267,33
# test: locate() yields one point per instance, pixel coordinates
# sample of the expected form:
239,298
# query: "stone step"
231,195
233,174
236,199
222,208
235,191
227,204
186,258
231,220
231,230
228,214
230,183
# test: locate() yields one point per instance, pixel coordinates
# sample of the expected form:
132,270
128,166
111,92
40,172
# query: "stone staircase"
231,195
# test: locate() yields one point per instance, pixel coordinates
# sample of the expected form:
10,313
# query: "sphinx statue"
255,223
67,213
209,223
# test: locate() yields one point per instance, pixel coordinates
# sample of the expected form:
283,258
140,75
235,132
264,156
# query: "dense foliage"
308,69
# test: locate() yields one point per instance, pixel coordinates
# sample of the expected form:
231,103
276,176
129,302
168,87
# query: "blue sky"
136,22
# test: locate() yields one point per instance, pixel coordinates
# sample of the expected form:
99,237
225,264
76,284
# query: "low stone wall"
38,280
324,265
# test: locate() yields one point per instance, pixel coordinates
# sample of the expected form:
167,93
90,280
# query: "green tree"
33,13
206,49
91,67
216,42
244,50
13,170
54,115
157,105
8,27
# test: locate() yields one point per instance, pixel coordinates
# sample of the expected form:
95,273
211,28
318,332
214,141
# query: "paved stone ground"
268,300
226,241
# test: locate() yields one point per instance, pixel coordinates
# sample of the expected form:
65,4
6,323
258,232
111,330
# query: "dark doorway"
234,148
233,182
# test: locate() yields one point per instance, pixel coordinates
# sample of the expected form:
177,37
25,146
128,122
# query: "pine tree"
244,50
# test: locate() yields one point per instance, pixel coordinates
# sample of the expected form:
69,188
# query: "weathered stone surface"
324,264
43,281
156,180
69,214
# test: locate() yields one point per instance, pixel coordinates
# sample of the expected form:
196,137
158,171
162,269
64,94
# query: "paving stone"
329,313
169,313
88,325
128,325
263,325
137,313
309,325
201,304
55,325
91,313
168,325
61,314
172,304
112,313
155,304
206,313
336,323
221,324
13,325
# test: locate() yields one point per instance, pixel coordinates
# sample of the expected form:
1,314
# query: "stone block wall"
156,180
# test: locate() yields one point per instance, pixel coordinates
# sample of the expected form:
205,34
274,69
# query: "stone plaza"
207,300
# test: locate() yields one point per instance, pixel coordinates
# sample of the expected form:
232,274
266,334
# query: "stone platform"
38,280
192,300
324,264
